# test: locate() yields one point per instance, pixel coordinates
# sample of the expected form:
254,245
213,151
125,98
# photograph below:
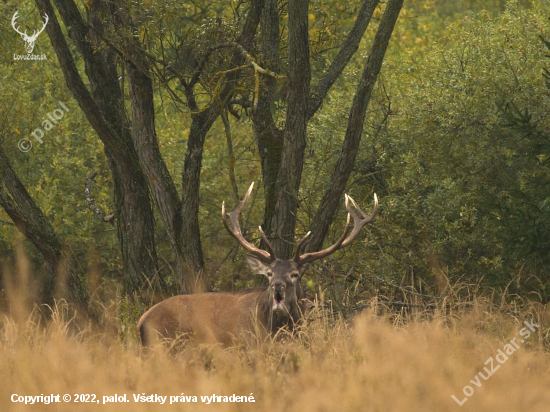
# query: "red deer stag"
229,317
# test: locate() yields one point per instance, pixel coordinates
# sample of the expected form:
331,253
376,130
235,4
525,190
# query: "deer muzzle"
279,297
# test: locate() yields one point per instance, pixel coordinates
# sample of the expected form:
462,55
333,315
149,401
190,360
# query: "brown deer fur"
229,317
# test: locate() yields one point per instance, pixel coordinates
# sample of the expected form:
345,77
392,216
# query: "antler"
310,257
344,240
36,33
15,16
358,222
235,231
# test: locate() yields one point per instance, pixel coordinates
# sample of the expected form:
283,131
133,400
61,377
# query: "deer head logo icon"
29,40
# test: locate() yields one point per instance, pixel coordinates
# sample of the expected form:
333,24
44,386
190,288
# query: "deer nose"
279,286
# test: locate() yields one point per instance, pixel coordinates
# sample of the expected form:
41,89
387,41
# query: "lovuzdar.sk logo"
29,40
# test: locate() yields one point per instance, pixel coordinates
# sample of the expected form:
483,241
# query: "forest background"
455,144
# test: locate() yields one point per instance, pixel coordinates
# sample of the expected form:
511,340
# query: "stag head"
29,40
284,275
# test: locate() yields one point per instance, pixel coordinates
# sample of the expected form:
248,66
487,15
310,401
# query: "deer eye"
294,275
269,274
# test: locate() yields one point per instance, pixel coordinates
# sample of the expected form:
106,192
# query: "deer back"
206,317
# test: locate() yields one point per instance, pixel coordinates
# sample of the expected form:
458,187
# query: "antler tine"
310,257
345,240
15,17
358,222
46,20
300,246
36,33
267,244
235,230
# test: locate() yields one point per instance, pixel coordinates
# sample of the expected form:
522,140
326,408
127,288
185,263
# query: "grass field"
373,363
491,356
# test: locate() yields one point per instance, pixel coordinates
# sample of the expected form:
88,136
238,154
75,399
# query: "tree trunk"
268,136
201,123
292,158
104,109
270,139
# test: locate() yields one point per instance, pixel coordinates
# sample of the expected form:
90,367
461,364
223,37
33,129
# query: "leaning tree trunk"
144,137
337,185
104,109
31,222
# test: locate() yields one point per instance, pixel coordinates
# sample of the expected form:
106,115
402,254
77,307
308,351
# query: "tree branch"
331,200
231,156
347,50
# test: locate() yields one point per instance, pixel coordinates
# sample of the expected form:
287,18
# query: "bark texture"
269,137
292,157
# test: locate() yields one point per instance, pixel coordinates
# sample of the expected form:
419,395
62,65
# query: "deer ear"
256,265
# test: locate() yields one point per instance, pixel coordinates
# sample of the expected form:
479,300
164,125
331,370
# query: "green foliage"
464,188
456,144
53,172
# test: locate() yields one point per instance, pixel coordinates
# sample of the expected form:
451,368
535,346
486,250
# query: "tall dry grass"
376,362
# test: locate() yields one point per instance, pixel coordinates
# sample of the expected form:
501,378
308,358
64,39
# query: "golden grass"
377,362
369,365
